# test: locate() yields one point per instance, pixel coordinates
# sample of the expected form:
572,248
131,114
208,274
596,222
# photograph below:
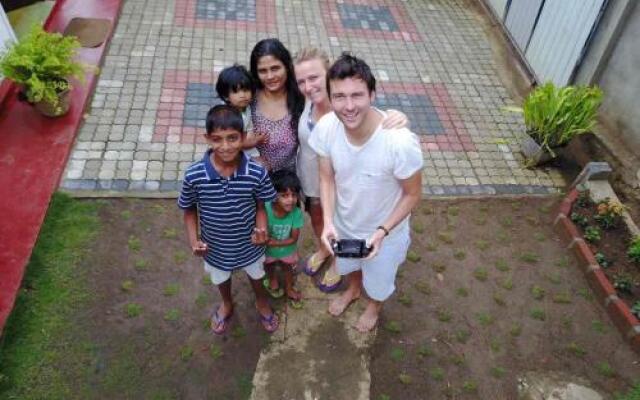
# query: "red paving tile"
33,153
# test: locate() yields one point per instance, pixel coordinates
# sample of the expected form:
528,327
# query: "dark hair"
232,79
348,66
224,116
273,47
284,180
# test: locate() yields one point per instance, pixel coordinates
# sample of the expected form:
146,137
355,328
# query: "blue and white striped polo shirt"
227,209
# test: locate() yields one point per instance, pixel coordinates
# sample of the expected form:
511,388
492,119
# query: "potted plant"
42,65
553,116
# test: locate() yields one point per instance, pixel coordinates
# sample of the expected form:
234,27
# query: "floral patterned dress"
279,150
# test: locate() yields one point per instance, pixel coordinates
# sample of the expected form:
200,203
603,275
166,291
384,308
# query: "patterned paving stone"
432,60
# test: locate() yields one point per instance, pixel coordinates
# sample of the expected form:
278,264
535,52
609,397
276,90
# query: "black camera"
350,248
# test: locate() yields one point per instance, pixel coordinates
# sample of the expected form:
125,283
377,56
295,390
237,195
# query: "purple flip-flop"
219,324
269,322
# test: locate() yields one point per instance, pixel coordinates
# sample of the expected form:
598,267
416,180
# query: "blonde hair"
313,53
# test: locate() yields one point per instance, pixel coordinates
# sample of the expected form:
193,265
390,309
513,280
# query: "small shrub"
506,283
576,349
634,250
171,289
418,227
515,330
413,256
529,257
537,292
172,315
425,351
445,237
444,315
484,319
132,310
497,372
431,246
502,265
584,199
462,292
393,327
453,211
470,386
606,370
405,299
215,351
437,374
141,264
405,378
397,354
134,243
481,274
592,234
127,285
439,267
462,336
562,298
482,244
538,313
539,236
186,352
507,221
459,254
499,299
422,287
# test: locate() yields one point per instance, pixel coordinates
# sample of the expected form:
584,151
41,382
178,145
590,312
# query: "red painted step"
34,151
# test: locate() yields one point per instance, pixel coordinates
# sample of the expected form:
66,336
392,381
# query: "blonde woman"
311,65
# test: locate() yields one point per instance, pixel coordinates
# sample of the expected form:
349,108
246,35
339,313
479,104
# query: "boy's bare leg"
226,308
369,317
354,289
262,303
288,282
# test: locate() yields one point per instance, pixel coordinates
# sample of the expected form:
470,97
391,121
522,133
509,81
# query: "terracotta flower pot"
49,110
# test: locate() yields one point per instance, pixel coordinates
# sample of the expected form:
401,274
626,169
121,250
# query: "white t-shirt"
248,129
367,177
307,163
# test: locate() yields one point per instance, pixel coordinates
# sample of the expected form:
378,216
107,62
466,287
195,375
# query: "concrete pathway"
314,355
432,58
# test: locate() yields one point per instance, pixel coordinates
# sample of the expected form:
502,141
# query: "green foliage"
481,274
42,62
171,289
592,234
635,309
132,310
172,315
497,372
538,313
413,256
393,327
609,213
634,250
127,285
404,378
579,219
215,351
553,116
398,354
576,349
537,292
602,260
623,282
605,369
633,394
437,373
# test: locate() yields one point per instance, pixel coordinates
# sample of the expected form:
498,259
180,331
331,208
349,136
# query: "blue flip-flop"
269,322
219,324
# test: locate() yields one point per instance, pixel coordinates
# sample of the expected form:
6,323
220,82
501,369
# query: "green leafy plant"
623,282
592,234
602,260
42,62
579,219
609,213
555,115
635,309
633,252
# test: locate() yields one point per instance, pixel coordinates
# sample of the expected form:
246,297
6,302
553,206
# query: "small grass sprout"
172,315
393,327
537,292
605,369
502,265
482,244
576,349
538,313
413,256
529,257
480,274
405,378
134,243
132,310
397,354
127,285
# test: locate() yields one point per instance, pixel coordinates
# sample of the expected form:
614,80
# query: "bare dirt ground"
487,294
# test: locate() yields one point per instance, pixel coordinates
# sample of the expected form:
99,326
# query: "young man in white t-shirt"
370,180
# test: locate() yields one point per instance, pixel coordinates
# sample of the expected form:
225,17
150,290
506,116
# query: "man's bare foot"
339,304
369,318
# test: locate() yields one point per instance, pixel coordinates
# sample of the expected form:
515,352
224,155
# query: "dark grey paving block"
120,185
419,109
200,97
105,184
238,10
137,185
356,16
168,186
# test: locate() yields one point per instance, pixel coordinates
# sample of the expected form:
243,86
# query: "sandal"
219,324
296,304
275,293
330,285
312,266
270,322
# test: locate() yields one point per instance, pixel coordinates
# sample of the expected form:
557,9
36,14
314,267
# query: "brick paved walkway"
431,57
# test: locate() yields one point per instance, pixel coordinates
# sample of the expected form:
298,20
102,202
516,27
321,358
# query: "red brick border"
618,311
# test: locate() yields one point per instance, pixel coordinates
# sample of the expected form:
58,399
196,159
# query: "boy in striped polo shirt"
223,194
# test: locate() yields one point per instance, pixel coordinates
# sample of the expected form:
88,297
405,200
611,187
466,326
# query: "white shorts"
379,273
218,276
